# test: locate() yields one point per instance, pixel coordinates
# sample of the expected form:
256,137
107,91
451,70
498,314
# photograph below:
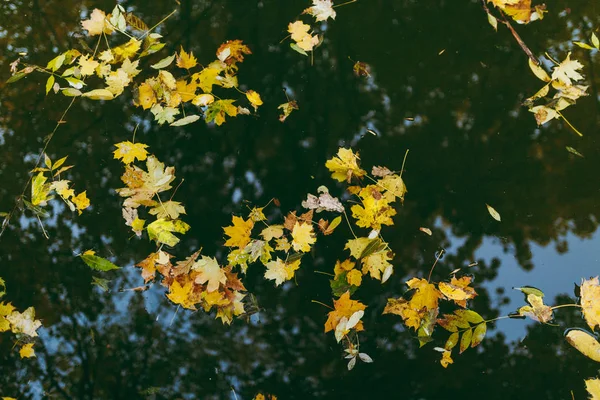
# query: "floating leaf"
493,21
70,92
465,340
539,71
49,84
136,22
583,45
530,290
99,94
165,62
593,387
479,334
97,263
590,301
186,120
585,342
493,213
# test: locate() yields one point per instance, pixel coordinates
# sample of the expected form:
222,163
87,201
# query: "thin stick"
568,123
344,4
159,22
349,225
403,162
323,304
437,258
324,273
565,305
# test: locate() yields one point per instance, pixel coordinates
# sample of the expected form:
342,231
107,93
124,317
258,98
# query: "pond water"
443,85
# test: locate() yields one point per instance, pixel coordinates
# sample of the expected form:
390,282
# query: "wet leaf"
100,282
99,94
590,301
479,334
573,151
593,388
465,340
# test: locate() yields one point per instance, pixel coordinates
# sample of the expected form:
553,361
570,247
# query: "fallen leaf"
493,213
584,342
590,301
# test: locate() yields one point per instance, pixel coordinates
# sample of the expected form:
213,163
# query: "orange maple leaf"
344,307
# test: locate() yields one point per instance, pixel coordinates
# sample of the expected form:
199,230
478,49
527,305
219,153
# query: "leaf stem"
323,304
568,123
437,258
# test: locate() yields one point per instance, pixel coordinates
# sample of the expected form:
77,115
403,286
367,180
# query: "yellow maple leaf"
209,272
354,277
81,201
593,388
146,96
344,307
280,271
97,23
341,267
128,49
458,290
302,237
62,188
590,301
298,30
376,264
272,231
415,310
286,109
27,351
186,91
127,152
373,212
357,246
203,99
88,65
24,322
254,99
239,232
168,209
162,230
179,294
5,310
206,78
116,81
344,166
185,60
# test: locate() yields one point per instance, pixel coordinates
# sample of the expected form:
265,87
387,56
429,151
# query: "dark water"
471,143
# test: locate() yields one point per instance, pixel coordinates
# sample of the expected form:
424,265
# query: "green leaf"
20,75
100,282
56,62
49,84
340,285
97,263
162,230
465,341
452,341
479,334
297,48
373,246
39,211
530,290
186,120
165,62
469,316
217,111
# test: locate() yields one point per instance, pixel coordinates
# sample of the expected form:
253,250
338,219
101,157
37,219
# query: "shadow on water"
470,142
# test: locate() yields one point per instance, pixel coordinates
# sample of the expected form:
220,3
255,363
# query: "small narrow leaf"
49,84
465,341
70,92
584,45
530,290
186,120
297,48
595,41
97,263
573,151
100,282
539,72
98,94
478,334
165,62
452,341
493,213
493,22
